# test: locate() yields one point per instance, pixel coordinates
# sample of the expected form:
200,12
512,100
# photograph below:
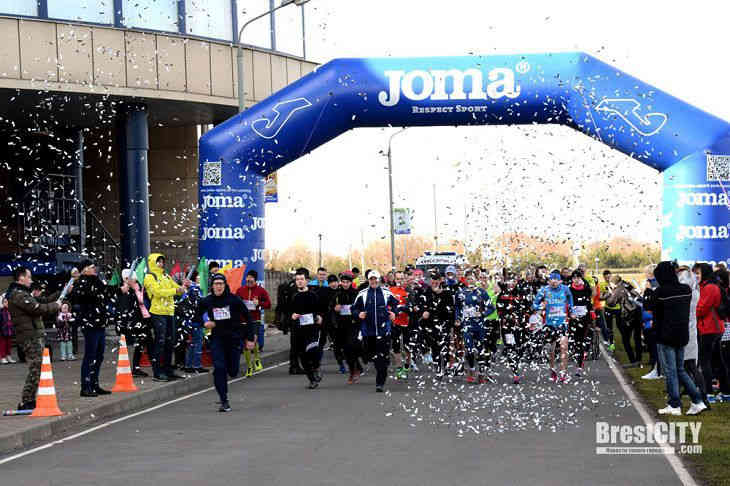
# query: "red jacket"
401,319
256,292
708,322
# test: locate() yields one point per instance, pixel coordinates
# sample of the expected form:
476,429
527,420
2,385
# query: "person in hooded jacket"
671,321
162,289
621,296
473,305
27,312
91,296
710,327
130,321
227,317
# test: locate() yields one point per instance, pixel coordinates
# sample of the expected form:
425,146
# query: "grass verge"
712,466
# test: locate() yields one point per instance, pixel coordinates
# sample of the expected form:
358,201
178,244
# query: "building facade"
101,108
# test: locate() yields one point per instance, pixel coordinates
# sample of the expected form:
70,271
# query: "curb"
134,402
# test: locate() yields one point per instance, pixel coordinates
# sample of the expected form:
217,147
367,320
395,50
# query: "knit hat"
85,264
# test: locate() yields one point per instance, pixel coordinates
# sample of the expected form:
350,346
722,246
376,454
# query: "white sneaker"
696,408
11,360
669,410
414,367
72,358
652,375
4,361
63,358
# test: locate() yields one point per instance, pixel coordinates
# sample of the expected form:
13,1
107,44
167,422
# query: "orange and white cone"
45,399
124,382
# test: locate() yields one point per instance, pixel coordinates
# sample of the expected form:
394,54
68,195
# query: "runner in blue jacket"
558,303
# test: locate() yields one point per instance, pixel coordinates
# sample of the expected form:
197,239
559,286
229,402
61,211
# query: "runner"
375,307
401,329
580,318
513,310
306,314
347,331
472,306
436,312
257,300
558,302
228,318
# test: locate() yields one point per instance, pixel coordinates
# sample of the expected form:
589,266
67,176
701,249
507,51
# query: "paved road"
420,434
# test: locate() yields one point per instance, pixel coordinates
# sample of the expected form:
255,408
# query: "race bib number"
535,321
345,310
471,312
306,319
509,339
580,310
556,312
249,304
221,313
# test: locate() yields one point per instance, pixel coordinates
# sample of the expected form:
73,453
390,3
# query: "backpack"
723,310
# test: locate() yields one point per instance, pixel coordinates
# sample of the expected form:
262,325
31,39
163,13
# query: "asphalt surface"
419,433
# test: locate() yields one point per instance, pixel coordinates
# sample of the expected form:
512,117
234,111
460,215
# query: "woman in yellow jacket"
161,290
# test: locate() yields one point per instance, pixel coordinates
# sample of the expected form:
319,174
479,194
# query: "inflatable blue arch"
691,147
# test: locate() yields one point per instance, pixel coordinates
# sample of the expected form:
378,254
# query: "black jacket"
229,314
345,297
672,304
91,297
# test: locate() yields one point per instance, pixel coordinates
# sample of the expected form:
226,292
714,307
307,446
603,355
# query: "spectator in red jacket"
709,327
257,300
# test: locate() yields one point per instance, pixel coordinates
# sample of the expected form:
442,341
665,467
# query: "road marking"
126,417
682,473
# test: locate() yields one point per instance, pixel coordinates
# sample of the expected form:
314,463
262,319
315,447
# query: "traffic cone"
46,403
124,381
144,360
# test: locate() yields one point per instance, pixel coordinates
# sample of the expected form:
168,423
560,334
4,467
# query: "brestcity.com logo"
657,438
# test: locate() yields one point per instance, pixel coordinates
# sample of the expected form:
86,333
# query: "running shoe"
413,367
317,376
258,365
471,379
343,370
516,380
313,384
225,407
564,378
725,397
401,374
652,375
612,347
356,377
351,379
711,399
249,372
553,375
484,379
379,388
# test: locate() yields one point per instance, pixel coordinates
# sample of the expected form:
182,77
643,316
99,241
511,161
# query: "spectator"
256,299
649,330
27,313
671,320
91,297
611,313
709,326
691,350
162,289
64,321
194,351
7,331
723,278
629,321
130,321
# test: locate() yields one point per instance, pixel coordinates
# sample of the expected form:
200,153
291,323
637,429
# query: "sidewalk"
22,431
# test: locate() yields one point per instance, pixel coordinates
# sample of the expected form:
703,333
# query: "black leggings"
436,341
708,343
308,348
353,348
515,351
725,356
631,326
577,337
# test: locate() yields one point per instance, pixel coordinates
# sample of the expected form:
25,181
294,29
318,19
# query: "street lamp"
239,48
390,188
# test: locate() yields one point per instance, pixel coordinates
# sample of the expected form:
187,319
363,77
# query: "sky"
545,180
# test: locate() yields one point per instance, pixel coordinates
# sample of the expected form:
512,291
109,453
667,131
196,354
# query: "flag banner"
271,191
402,221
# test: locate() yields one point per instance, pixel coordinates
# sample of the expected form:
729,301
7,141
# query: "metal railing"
51,219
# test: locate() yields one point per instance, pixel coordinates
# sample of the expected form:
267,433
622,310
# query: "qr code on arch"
212,174
718,167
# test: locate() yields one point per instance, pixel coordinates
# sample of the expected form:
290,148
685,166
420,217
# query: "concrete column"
134,199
